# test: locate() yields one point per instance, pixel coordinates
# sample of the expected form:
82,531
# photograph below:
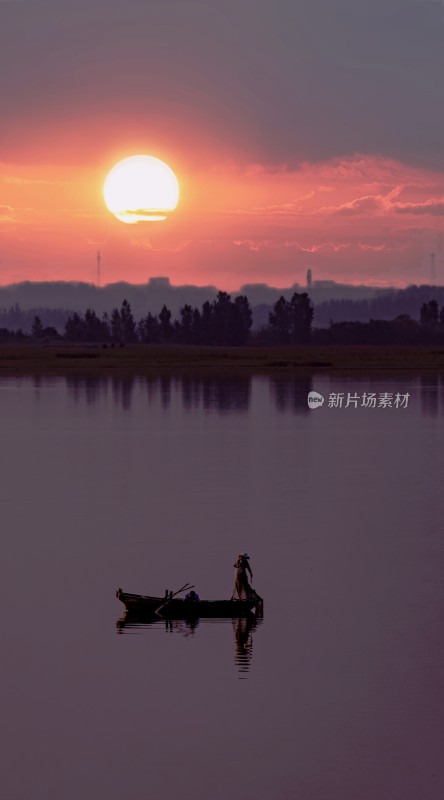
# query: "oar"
183,589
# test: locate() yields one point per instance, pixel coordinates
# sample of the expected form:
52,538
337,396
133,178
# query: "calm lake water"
337,694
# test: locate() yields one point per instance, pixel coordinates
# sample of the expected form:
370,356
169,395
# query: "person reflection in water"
243,641
241,586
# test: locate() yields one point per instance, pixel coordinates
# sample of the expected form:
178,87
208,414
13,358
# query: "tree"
128,325
242,318
148,329
221,318
116,326
74,329
301,314
185,328
166,329
106,326
197,326
429,314
206,324
96,330
37,328
291,320
50,332
280,321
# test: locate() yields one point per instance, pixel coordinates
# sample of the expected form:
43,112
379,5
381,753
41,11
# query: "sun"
141,189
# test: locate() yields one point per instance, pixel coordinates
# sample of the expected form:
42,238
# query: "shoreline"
63,359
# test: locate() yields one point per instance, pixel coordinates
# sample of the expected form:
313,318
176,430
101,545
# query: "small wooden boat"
179,608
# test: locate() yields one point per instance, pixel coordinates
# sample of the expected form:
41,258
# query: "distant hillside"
157,291
80,296
384,305
380,304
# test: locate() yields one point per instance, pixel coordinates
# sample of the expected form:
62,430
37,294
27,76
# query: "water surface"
337,694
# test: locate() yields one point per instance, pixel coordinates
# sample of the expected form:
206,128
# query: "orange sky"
356,219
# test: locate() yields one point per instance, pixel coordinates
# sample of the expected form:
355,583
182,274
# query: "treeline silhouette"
223,322
403,330
227,322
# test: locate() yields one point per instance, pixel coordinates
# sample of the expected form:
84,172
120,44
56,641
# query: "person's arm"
249,570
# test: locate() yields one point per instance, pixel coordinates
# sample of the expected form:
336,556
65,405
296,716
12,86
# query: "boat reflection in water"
243,629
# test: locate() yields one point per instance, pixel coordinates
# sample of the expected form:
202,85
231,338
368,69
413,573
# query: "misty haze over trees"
228,322
157,292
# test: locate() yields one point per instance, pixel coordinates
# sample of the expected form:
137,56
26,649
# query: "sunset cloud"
359,206
434,206
385,204
385,246
256,246
19,181
145,244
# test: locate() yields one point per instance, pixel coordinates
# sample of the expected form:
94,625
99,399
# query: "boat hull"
185,609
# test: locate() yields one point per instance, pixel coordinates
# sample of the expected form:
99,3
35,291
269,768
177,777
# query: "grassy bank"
140,359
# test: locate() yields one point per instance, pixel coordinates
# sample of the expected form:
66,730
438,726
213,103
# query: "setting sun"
141,189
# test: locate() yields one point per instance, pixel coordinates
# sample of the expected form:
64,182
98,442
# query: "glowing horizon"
356,220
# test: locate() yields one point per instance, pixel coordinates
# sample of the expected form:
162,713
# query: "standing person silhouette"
241,586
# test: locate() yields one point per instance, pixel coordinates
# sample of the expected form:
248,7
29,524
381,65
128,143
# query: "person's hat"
245,555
